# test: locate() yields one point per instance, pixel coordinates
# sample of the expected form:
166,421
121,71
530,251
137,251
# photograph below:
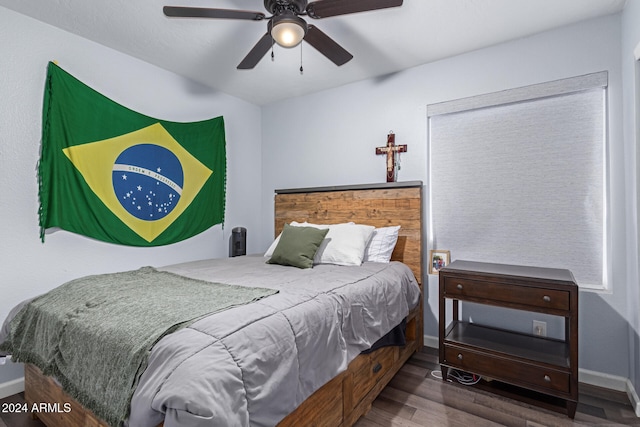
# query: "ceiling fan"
285,25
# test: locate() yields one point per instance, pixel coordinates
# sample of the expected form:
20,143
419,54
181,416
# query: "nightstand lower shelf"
516,359
494,340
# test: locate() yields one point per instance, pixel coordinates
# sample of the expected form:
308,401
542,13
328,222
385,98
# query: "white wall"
329,138
631,111
28,267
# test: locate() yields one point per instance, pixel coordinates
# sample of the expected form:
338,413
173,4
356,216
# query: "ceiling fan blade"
203,12
326,8
255,55
326,46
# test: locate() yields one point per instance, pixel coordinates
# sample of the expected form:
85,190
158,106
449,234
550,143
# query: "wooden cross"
390,150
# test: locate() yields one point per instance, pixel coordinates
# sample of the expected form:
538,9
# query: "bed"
350,390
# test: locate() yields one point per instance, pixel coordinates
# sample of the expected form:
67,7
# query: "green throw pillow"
297,246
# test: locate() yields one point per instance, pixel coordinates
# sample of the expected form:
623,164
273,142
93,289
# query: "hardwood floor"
416,398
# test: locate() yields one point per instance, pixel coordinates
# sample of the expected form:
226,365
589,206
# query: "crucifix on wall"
390,150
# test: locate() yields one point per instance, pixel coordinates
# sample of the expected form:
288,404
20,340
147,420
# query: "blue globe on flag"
148,181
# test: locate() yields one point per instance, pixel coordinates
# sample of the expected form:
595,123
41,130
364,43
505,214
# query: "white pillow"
344,244
382,243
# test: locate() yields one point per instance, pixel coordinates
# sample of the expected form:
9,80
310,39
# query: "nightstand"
543,370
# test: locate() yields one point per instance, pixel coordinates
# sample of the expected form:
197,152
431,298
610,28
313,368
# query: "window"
519,177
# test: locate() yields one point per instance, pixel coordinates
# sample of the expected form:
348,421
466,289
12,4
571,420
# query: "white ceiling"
382,42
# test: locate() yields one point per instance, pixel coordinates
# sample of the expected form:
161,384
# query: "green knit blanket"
95,334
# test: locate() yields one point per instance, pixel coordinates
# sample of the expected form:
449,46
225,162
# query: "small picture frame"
438,259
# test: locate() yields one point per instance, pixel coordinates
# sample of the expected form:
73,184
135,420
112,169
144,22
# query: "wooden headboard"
380,205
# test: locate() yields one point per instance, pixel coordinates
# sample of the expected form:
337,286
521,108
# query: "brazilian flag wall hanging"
119,176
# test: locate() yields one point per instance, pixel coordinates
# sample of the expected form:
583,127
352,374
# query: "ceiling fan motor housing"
277,6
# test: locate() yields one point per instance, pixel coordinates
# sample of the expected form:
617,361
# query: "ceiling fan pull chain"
272,55
301,69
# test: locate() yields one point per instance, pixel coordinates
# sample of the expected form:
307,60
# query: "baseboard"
598,379
431,342
11,387
611,382
633,397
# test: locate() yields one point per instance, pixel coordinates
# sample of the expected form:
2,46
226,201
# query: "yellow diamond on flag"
146,178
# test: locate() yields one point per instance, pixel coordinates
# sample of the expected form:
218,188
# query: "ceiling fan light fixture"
287,29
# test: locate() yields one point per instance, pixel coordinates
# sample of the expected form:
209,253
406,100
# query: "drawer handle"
547,378
546,298
459,356
377,368
459,287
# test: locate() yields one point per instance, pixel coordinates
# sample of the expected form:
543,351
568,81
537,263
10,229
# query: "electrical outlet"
539,328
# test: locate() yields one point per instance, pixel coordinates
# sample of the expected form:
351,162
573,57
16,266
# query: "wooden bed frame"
348,396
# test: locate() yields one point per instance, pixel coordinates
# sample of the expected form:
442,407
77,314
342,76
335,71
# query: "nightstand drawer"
507,370
504,293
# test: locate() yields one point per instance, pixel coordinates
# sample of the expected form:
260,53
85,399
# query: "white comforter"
252,365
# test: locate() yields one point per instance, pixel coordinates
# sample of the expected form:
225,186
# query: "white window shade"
519,177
